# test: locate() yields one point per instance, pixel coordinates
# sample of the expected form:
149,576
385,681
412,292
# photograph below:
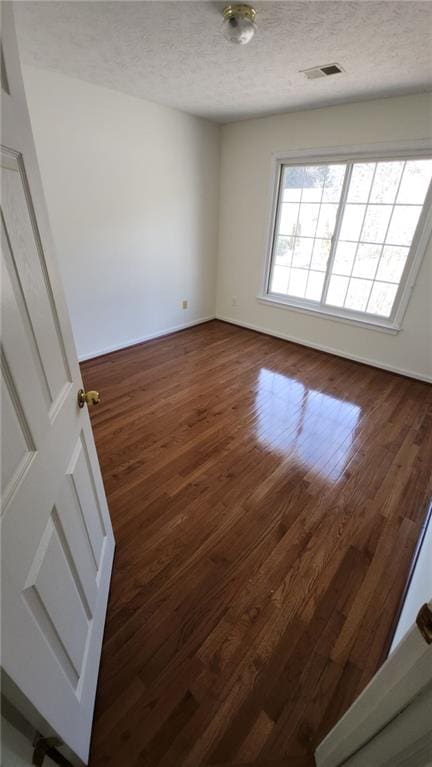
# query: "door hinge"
48,747
424,622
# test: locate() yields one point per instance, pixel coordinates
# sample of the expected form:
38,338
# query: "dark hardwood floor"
266,501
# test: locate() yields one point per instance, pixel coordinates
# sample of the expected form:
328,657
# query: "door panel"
73,525
27,263
20,449
57,539
52,594
87,500
16,334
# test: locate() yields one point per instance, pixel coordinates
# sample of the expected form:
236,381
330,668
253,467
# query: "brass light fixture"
239,23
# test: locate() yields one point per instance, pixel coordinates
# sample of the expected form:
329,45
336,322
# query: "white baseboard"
328,349
258,329
141,339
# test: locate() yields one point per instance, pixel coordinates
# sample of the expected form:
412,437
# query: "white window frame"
421,149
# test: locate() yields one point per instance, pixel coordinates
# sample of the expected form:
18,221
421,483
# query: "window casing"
348,233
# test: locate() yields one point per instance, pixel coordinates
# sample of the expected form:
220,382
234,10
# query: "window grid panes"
376,217
306,218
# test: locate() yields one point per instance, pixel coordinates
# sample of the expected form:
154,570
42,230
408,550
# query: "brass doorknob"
89,397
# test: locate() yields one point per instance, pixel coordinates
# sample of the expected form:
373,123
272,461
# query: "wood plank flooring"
266,500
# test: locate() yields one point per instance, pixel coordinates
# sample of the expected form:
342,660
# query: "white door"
388,725
405,742
57,539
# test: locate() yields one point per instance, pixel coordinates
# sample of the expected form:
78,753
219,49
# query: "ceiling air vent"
325,71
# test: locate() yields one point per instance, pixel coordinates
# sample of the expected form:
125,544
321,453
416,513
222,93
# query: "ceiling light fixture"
239,23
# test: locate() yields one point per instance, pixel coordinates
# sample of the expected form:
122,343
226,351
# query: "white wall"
132,193
16,750
245,191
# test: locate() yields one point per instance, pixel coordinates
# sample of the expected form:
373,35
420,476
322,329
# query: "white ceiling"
174,53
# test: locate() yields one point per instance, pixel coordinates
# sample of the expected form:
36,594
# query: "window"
345,234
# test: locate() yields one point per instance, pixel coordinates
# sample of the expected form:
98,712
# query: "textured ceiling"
174,53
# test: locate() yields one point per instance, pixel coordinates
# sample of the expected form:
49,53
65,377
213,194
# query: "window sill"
329,314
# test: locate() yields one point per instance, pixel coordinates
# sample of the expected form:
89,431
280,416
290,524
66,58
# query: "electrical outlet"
184,304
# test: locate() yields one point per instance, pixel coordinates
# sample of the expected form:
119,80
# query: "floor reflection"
318,429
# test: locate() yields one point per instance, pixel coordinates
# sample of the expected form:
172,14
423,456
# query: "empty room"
216,357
